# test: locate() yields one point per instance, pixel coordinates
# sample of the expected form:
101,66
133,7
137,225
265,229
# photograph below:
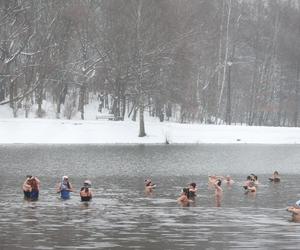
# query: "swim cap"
65,179
298,203
87,183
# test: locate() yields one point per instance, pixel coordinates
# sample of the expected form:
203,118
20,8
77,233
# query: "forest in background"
210,61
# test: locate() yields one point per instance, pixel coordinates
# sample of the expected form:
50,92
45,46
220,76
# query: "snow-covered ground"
103,131
20,130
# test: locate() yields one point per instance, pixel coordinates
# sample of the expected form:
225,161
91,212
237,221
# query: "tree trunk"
296,113
226,57
81,101
123,102
135,109
142,124
220,61
118,101
251,106
58,110
140,73
228,103
40,101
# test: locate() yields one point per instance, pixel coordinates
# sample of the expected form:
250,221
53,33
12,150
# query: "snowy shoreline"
53,131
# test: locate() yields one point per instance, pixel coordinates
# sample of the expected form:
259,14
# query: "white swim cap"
87,183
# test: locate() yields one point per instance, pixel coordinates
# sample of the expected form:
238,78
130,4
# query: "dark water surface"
121,216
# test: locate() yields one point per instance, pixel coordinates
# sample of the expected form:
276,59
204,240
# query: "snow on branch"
30,53
23,95
12,58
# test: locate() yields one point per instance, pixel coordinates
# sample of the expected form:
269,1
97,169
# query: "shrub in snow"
41,113
70,107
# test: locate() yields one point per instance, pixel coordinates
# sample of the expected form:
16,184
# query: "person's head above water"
185,191
219,182
148,182
253,176
193,184
65,179
87,183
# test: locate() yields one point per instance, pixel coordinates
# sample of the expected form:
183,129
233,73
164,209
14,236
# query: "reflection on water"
121,215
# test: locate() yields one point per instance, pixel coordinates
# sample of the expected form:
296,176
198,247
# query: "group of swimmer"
188,193
31,188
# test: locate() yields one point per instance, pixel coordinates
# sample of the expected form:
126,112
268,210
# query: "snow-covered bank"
126,132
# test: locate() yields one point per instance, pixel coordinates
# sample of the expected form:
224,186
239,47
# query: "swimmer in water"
255,179
249,181
149,186
192,190
275,177
213,178
27,188
184,198
218,189
295,210
85,191
249,185
64,188
218,192
228,180
31,188
35,188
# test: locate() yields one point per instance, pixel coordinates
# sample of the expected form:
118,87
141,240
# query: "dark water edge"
121,216
154,160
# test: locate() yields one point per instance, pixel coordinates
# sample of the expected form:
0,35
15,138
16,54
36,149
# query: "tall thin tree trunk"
296,113
135,110
140,75
81,101
228,103
40,101
251,107
226,56
220,52
123,102
142,123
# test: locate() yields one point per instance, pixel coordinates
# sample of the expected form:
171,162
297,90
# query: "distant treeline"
213,61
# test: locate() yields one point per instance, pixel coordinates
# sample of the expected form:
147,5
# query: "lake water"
121,216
